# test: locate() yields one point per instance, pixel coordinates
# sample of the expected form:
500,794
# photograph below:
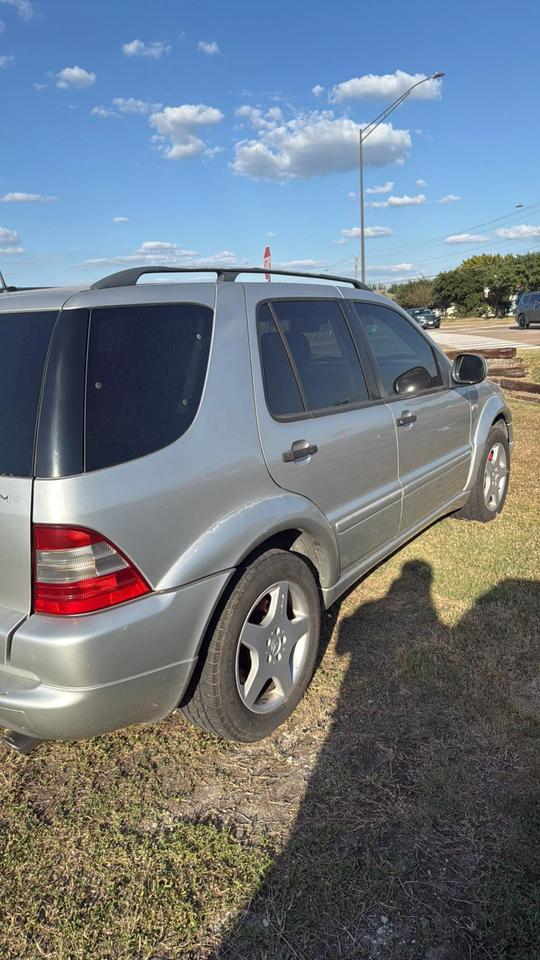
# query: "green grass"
531,361
394,814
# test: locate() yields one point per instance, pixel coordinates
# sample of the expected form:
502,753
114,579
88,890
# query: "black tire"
522,322
214,702
476,507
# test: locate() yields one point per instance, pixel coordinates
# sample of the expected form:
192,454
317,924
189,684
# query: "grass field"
393,817
531,361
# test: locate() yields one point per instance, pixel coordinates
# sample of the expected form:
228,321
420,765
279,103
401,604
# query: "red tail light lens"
79,571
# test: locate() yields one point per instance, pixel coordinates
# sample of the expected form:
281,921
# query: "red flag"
267,262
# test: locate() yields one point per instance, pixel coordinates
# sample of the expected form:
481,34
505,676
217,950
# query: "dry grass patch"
394,817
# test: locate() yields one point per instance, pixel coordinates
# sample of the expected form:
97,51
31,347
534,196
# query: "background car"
425,317
528,309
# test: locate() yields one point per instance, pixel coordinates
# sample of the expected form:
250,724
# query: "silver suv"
190,472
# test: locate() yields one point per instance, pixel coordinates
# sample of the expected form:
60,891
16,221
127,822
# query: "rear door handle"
406,418
300,449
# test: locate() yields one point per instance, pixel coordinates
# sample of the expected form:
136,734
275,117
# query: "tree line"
483,284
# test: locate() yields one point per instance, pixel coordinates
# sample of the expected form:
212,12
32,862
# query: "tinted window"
146,370
398,348
322,352
282,393
24,338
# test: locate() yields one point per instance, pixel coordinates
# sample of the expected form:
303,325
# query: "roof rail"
128,278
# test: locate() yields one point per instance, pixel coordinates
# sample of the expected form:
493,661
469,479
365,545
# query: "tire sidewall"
497,434
266,570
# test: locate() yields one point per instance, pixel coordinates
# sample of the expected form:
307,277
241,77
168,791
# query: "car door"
533,313
323,433
432,417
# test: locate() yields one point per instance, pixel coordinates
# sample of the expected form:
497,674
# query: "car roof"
38,298
54,298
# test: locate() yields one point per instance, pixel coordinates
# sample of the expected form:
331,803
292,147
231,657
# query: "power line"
419,244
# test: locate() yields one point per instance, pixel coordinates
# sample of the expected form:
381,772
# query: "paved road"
476,337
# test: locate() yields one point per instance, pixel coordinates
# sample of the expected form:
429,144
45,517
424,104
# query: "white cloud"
315,144
178,129
388,86
270,235
382,188
10,243
8,236
209,47
2,26
103,112
421,183
466,238
393,268
24,7
74,77
131,105
349,234
138,48
259,120
300,264
449,198
524,231
39,87
317,90
351,195
120,219
167,254
26,198
403,201
6,60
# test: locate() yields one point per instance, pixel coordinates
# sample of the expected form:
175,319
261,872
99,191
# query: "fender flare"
494,407
228,541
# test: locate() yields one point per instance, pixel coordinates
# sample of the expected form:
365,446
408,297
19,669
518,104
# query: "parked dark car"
425,317
528,309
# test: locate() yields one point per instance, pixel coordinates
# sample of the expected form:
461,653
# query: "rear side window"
146,371
308,357
24,339
399,349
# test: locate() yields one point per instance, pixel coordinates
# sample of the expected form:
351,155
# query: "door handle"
300,449
406,418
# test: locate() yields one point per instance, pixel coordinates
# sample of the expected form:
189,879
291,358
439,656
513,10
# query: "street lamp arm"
370,127
363,134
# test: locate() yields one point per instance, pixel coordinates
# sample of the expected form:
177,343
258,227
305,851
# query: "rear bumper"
68,678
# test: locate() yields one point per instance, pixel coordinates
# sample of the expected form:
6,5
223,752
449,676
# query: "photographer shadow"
378,861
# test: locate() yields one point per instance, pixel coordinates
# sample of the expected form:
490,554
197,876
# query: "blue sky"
195,131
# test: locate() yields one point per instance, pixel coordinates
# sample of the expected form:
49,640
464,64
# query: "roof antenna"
3,285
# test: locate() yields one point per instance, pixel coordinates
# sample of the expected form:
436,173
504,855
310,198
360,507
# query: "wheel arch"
285,520
494,411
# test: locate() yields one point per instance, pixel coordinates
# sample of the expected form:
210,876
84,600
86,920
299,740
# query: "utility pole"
362,221
356,268
363,134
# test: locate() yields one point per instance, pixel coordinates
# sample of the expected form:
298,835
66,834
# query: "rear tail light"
79,571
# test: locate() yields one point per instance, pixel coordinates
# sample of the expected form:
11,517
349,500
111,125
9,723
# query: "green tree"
413,293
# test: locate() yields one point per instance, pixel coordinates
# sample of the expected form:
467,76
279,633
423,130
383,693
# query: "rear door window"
24,340
146,370
309,358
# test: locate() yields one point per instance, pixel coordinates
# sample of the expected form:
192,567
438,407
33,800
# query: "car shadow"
407,810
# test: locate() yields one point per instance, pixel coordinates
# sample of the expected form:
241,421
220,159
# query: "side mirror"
469,368
413,381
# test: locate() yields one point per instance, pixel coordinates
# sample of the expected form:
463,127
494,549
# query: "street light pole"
362,221
363,134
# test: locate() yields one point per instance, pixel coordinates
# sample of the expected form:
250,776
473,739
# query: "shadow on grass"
417,835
